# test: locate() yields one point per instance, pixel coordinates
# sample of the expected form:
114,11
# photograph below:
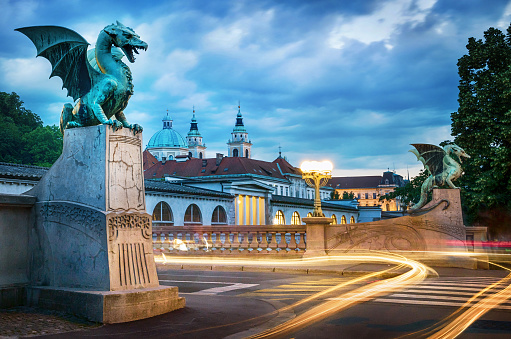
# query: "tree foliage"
24,139
349,196
482,124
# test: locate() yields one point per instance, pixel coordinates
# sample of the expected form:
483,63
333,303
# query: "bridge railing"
229,239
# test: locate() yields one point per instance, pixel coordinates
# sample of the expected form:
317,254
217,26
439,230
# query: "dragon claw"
136,128
116,124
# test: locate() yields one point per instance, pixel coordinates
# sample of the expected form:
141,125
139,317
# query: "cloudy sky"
354,82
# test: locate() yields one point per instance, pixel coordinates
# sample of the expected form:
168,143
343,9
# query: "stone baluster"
155,240
235,242
162,241
218,243
244,244
292,245
272,242
302,244
206,243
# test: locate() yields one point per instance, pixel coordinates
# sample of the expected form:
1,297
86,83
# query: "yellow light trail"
417,273
474,312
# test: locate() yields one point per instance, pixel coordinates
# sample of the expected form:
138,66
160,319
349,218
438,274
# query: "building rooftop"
208,167
309,202
20,171
165,186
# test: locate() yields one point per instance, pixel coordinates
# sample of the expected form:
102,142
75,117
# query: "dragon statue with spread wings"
443,165
99,82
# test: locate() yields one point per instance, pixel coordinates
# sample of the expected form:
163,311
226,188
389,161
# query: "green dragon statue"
443,165
102,89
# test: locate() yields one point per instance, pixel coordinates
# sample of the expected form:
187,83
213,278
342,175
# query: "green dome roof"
167,137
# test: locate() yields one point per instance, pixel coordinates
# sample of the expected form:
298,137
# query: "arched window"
352,220
171,157
219,216
200,155
190,154
309,215
235,152
343,220
246,153
193,215
387,207
295,219
162,213
334,219
279,218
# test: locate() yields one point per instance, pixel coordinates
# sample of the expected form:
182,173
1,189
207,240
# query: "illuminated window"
343,220
352,220
334,219
193,215
162,213
219,216
295,219
279,218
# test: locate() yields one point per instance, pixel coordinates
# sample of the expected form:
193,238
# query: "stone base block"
108,307
12,296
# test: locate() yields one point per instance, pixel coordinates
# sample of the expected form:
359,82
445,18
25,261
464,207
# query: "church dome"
167,137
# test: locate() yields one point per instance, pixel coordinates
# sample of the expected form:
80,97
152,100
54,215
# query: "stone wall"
15,225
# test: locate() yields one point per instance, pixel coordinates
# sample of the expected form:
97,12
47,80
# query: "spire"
280,151
239,127
194,130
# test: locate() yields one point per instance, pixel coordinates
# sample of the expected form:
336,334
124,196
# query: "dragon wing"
67,52
431,156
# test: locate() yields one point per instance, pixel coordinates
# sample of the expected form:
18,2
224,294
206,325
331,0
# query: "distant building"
369,189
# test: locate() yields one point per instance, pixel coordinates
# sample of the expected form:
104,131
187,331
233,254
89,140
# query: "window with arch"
219,216
387,207
295,219
190,154
343,219
193,215
171,157
162,213
246,153
279,218
334,219
309,215
200,155
352,220
235,152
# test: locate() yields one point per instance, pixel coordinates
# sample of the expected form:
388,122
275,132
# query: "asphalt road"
240,304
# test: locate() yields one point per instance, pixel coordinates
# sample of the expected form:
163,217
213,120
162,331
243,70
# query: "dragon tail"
426,187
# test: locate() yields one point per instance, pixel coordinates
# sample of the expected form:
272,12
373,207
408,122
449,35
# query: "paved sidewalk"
29,322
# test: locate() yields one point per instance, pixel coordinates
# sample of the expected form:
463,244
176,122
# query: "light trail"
474,312
417,273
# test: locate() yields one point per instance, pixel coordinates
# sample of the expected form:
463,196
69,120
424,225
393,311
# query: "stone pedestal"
92,235
316,235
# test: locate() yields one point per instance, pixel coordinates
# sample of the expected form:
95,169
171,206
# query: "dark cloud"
338,79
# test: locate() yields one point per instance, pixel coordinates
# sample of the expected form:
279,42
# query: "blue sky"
354,82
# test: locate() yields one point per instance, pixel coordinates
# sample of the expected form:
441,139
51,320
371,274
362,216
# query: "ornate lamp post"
316,175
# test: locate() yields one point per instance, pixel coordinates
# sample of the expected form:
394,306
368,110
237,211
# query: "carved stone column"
92,233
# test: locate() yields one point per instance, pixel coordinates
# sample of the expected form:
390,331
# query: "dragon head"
456,150
126,39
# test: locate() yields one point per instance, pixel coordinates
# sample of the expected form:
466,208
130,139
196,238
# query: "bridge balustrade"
231,239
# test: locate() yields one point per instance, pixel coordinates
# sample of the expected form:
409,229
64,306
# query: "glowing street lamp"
316,175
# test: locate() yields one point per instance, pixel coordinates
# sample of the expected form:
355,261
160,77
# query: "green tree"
348,196
24,140
334,195
43,146
482,125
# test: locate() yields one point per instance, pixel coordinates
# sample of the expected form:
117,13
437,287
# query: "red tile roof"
207,167
148,160
286,167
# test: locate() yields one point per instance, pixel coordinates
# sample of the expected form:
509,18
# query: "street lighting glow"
317,166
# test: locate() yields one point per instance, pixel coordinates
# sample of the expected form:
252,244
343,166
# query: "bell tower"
194,140
239,145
